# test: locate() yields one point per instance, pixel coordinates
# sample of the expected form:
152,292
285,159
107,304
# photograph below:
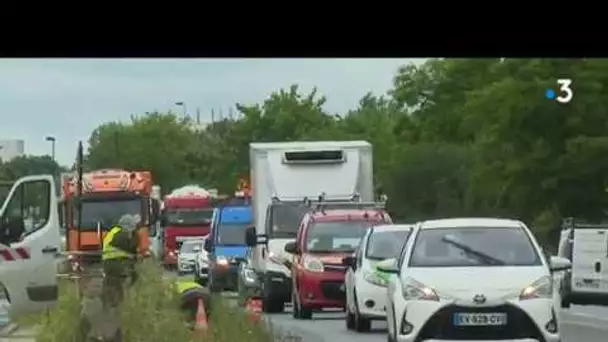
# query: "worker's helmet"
127,222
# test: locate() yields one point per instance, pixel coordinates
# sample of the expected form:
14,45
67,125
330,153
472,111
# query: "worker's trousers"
116,271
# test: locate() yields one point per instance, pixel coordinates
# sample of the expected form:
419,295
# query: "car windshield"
335,236
385,244
232,234
285,219
190,247
473,246
188,217
106,212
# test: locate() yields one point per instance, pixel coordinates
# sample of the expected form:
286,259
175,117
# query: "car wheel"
362,324
270,304
350,318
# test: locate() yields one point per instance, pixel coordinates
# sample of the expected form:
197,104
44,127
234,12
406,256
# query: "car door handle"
50,249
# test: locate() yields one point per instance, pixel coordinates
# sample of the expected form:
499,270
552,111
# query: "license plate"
480,319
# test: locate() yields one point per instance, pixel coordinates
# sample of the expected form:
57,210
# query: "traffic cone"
253,307
200,321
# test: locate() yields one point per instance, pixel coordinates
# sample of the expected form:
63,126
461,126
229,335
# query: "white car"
201,265
187,255
365,285
471,279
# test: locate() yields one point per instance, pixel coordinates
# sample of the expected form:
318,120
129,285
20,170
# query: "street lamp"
183,105
52,140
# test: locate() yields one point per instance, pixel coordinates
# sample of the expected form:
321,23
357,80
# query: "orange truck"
106,195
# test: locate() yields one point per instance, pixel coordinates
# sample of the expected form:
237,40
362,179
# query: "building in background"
10,149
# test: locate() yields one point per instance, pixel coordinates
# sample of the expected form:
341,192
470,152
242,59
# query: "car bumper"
371,300
322,290
433,321
184,266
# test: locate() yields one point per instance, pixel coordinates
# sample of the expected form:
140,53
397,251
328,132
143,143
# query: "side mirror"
208,246
557,264
388,266
349,261
207,221
291,248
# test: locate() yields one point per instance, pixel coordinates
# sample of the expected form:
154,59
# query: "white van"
586,245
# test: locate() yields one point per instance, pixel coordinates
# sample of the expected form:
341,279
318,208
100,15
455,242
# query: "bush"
149,313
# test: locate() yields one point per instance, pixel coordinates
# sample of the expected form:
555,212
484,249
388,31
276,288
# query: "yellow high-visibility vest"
110,252
183,286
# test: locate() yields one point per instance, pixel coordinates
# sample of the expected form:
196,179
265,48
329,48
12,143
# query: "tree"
28,165
157,142
453,137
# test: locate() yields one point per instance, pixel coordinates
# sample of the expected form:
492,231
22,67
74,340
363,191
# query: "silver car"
186,258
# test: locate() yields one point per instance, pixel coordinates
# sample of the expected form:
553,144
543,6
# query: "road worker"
119,256
190,293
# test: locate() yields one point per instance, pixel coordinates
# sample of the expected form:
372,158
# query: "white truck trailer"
284,176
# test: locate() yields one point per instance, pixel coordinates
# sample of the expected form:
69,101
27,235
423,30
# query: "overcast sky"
68,98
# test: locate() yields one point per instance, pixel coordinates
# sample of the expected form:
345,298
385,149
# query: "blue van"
226,245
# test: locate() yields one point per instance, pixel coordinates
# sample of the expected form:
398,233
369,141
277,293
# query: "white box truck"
284,176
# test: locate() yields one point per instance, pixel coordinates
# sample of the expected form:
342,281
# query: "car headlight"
249,275
542,288
222,261
375,278
313,264
413,290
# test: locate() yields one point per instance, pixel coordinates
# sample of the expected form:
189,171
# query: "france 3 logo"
564,94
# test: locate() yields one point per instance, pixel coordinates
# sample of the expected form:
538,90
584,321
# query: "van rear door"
590,259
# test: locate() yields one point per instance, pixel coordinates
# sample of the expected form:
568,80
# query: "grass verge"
149,313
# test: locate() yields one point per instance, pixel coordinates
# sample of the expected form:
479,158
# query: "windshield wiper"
490,260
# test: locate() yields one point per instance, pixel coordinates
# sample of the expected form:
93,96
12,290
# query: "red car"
324,238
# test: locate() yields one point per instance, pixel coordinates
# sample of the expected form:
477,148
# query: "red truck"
323,239
186,215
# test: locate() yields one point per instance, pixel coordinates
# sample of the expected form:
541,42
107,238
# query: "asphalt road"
579,324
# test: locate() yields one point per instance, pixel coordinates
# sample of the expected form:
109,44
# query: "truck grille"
519,325
331,289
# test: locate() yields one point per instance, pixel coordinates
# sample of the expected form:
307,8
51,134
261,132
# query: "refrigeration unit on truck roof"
294,170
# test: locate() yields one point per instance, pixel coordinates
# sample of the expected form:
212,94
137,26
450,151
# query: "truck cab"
186,215
324,238
29,243
226,245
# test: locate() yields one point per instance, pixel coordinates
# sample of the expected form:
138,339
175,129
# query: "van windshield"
285,219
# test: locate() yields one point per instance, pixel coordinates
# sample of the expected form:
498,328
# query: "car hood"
493,282
230,251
